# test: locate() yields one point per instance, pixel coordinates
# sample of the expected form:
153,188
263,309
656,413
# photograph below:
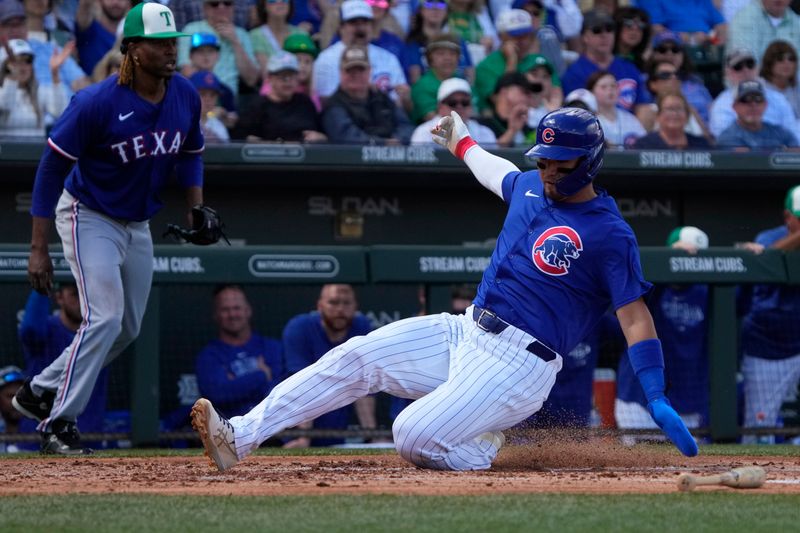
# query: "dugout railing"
437,267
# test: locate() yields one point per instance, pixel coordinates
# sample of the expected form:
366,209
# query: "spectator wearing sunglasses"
273,29
356,30
633,35
442,54
750,132
25,104
517,50
237,64
696,21
761,22
662,79
96,23
511,102
598,41
11,379
454,94
741,66
667,46
358,113
430,20
108,65
186,11
779,71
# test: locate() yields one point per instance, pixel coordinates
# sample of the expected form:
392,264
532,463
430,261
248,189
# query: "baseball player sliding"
563,257
107,159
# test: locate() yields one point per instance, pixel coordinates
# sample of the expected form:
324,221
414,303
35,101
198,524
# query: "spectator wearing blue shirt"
240,367
308,336
96,25
44,336
697,21
598,40
13,26
11,379
750,131
770,336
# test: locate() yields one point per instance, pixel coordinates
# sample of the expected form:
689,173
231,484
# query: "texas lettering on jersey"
156,143
554,248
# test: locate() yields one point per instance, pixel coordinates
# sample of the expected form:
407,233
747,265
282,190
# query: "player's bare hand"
58,57
311,136
40,270
449,131
518,117
750,247
509,51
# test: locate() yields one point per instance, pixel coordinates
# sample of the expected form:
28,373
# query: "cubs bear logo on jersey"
554,248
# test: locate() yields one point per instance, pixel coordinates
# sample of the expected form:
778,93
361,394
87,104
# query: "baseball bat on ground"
747,477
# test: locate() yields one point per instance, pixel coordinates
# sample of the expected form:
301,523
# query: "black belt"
491,323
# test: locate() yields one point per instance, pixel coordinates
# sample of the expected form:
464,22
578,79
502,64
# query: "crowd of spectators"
274,70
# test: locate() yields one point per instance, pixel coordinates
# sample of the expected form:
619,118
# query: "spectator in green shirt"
442,53
518,43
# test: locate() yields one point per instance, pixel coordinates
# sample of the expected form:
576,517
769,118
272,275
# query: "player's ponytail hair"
126,66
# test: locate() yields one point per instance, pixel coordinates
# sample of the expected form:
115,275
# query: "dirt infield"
590,467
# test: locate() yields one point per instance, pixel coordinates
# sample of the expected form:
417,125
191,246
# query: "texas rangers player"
563,256
107,159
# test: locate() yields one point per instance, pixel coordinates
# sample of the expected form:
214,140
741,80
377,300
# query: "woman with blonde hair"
25,105
109,64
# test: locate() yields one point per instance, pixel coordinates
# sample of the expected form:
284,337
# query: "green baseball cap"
300,43
793,201
690,235
150,21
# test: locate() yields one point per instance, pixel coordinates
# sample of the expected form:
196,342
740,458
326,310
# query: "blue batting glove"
672,425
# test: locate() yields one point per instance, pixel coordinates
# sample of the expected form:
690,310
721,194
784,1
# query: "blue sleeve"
189,170
466,59
79,124
714,16
297,351
34,322
194,142
643,95
509,181
213,382
571,79
273,356
361,325
49,182
623,272
653,8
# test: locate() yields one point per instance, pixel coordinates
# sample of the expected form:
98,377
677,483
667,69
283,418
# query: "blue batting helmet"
569,133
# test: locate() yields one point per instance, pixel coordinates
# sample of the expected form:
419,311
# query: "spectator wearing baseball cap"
430,20
750,131
356,30
597,36
518,45
443,52
667,46
203,57
11,379
283,114
306,51
237,64
273,29
564,17
454,94
581,98
697,21
13,25
24,103
741,65
358,113
770,341
510,104
210,88
544,97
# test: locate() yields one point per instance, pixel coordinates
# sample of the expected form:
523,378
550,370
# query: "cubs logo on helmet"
548,135
554,249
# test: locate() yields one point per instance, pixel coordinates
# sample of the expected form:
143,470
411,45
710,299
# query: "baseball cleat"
495,437
216,432
64,440
30,405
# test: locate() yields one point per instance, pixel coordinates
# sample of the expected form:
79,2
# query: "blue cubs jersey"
632,89
125,147
680,316
230,376
769,330
304,342
558,266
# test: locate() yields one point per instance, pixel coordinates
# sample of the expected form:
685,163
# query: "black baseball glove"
207,228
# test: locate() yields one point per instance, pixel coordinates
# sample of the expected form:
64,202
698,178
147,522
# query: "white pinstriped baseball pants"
468,382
